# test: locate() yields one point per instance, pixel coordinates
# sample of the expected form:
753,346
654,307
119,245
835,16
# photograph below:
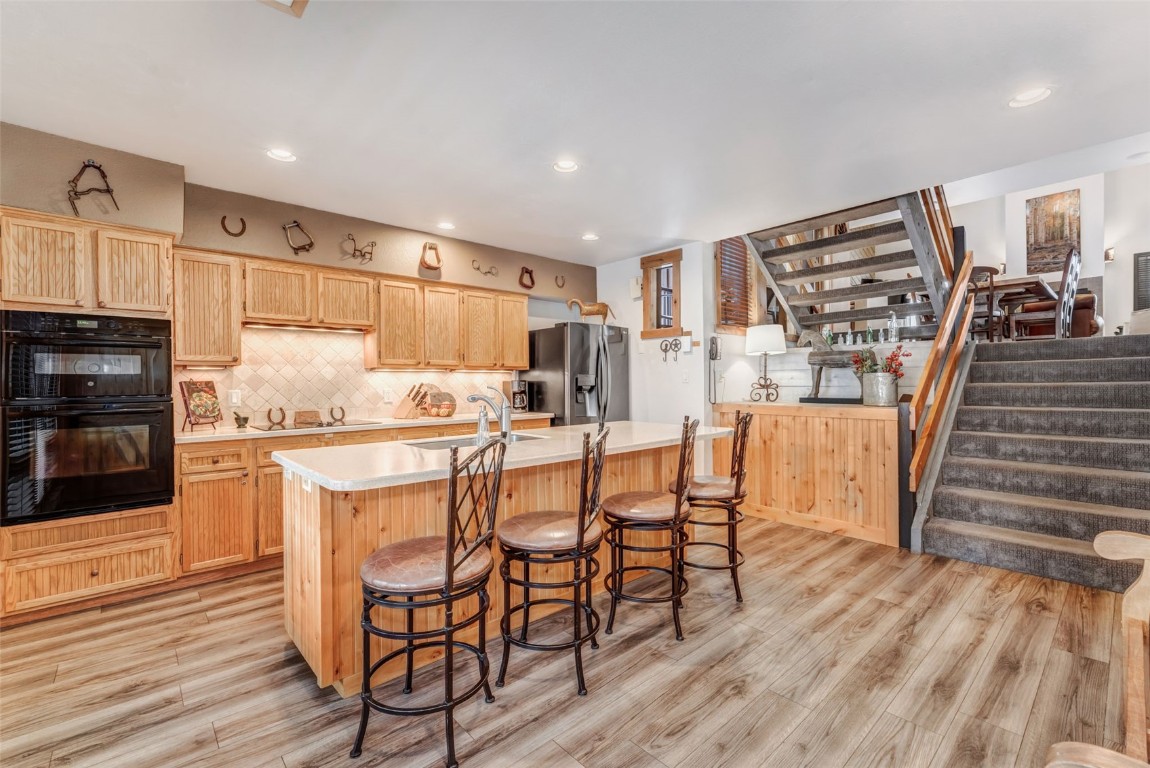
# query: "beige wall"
35,169
397,250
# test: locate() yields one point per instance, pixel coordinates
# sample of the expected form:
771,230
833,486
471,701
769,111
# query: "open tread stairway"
1050,446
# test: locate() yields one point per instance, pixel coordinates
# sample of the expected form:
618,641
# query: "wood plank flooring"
844,654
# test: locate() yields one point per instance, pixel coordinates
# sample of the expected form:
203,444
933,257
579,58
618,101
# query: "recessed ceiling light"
1139,155
445,225
565,166
283,155
1027,98
590,236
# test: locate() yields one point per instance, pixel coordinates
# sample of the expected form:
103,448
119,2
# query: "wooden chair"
1062,315
989,316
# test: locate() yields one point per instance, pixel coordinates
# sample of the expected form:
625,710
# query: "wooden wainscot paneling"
277,293
44,262
133,271
831,468
345,300
208,312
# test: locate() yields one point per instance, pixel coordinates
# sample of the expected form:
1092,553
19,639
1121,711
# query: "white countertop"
207,434
382,465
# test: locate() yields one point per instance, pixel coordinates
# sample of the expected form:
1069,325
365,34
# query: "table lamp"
765,340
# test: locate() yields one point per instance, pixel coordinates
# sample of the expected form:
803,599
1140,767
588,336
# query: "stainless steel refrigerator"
581,372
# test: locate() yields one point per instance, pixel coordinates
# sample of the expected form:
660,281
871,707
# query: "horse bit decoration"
364,254
75,194
493,271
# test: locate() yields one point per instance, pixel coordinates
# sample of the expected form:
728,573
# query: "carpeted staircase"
1050,446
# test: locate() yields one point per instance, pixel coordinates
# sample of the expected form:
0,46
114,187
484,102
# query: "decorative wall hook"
75,194
560,281
243,226
364,254
526,278
670,345
295,249
493,271
430,258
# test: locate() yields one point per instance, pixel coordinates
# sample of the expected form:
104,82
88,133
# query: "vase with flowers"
880,375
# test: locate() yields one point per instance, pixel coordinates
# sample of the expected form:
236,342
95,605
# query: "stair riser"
1086,423
1066,349
1070,451
1091,571
1080,525
1124,395
1101,489
1041,372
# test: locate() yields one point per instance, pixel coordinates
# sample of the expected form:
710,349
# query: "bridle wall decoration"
364,254
297,249
430,258
492,271
75,194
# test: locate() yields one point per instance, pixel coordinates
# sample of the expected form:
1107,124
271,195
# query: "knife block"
406,409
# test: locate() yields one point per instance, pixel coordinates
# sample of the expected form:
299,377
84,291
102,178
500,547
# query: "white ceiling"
691,121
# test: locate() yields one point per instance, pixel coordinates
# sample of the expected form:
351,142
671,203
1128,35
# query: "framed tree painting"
1053,227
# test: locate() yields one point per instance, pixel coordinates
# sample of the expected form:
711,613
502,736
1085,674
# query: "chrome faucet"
504,409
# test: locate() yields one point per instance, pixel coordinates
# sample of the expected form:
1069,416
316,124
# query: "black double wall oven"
86,414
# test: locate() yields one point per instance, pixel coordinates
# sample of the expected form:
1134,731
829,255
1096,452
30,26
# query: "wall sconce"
765,340
1108,255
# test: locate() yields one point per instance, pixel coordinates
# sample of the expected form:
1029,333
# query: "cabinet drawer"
71,534
214,459
265,448
366,436
39,582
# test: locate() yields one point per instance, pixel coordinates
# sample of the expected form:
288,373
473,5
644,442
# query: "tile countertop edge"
388,476
250,433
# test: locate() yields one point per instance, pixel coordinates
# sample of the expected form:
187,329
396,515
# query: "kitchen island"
343,502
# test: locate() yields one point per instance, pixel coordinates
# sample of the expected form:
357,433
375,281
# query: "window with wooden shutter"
735,287
1141,281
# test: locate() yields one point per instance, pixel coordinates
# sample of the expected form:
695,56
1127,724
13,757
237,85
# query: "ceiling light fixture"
590,236
445,225
283,155
1027,98
1139,155
565,166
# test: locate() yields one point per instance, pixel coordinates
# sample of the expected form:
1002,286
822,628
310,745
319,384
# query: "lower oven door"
66,460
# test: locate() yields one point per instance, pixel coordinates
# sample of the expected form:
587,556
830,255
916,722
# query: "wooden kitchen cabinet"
269,510
397,341
345,300
480,330
44,262
441,327
133,271
208,311
514,353
216,519
277,293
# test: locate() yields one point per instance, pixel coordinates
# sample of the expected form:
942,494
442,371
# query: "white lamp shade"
766,340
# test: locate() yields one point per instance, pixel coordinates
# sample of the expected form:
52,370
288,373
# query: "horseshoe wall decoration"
526,278
560,281
75,194
430,258
295,249
243,226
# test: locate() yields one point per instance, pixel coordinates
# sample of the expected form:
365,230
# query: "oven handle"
66,411
92,342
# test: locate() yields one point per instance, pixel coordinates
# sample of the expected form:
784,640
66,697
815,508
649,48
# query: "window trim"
650,265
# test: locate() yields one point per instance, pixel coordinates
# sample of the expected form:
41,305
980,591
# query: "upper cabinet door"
345,301
44,263
441,326
133,271
209,290
513,347
278,294
480,330
399,334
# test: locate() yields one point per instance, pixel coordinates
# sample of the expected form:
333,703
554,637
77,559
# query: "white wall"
1128,233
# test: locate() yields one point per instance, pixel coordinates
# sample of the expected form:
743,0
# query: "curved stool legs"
735,558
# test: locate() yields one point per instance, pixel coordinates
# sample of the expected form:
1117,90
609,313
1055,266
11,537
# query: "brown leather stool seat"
658,516
709,487
555,539
433,574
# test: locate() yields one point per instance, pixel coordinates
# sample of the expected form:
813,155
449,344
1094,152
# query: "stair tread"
1014,536
867,313
1044,502
861,291
1122,474
1042,408
837,217
880,234
880,263
1051,438
1048,361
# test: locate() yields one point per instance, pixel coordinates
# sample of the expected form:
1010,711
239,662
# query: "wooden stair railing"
941,227
944,355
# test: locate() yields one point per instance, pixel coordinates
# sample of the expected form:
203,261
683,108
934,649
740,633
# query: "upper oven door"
45,368
63,460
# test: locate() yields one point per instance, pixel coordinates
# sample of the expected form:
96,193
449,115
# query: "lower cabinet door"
43,581
270,506
216,520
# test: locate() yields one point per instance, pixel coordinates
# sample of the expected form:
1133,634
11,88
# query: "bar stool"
432,572
554,538
652,512
709,492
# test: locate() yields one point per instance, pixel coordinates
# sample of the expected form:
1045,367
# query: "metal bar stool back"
714,492
434,573
651,512
549,539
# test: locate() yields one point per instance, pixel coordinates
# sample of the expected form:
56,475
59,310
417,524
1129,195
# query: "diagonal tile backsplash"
300,369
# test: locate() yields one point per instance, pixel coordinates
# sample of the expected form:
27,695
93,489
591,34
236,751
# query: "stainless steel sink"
466,442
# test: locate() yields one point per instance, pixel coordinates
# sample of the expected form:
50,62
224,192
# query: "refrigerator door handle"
603,373
607,367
